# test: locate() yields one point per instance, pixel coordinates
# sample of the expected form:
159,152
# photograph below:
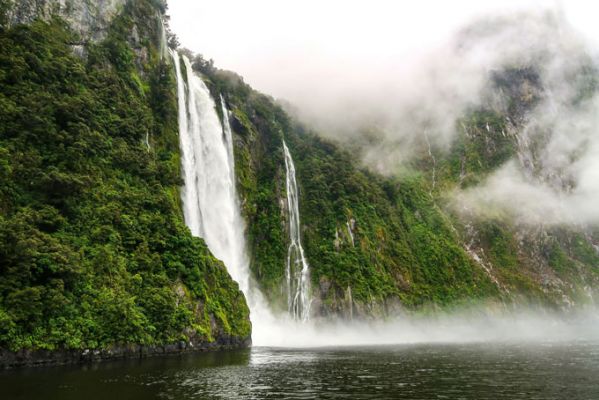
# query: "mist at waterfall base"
467,326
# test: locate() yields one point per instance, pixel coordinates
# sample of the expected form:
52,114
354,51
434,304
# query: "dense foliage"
94,250
93,247
404,251
377,244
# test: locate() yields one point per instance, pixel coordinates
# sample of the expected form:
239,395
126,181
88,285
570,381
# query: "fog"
471,326
385,76
555,177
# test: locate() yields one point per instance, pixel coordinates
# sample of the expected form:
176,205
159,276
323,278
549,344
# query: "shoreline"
49,358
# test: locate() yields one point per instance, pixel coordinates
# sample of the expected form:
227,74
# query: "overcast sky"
287,48
397,70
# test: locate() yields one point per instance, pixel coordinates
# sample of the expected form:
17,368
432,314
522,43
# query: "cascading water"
228,139
164,50
298,270
212,210
210,203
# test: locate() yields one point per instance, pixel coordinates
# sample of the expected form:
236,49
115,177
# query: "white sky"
286,48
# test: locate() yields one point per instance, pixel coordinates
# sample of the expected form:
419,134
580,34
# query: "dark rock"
35,358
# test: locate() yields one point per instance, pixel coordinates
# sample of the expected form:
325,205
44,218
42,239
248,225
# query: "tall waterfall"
212,209
298,270
210,202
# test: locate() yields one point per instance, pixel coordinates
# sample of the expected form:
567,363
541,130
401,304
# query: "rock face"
89,18
38,358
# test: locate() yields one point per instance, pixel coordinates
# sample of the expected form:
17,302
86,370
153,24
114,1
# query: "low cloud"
387,79
554,179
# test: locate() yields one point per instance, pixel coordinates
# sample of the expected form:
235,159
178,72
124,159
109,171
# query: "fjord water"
543,371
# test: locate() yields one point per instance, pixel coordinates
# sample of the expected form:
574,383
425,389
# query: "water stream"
297,270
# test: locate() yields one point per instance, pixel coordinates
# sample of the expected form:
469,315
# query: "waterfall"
228,139
164,50
210,203
350,233
212,211
297,269
432,156
147,141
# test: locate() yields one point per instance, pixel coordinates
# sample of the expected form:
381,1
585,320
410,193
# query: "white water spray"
350,233
210,203
228,140
298,270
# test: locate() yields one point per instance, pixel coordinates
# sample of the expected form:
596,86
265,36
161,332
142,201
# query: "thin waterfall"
210,203
164,50
228,139
297,269
350,233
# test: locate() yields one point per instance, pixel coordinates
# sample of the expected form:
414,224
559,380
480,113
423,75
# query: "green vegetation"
409,246
93,247
404,246
404,250
94,250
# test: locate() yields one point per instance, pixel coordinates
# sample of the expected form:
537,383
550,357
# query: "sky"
274,44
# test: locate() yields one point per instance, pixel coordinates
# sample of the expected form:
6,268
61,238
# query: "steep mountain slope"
94,252
379,245
374,244
558,262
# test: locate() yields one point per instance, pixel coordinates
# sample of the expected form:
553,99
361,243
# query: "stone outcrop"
35,358
89,18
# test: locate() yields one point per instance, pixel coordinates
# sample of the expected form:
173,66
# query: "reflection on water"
467,371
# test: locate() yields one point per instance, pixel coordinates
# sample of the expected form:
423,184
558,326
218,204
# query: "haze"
299,50
381,75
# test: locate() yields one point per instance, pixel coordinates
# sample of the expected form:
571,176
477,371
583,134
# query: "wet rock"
34,358
88,18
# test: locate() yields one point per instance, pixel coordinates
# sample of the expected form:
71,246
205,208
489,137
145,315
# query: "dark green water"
458,371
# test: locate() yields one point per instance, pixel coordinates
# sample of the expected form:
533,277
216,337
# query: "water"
350,233
210,202
297,269
164,50
441,371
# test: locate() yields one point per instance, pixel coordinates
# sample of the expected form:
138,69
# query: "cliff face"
555,264
381,245
376,246
89,19
95,258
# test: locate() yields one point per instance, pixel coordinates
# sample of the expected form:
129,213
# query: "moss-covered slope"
93,247
377,245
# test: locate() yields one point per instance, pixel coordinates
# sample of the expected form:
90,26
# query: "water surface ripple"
457,371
